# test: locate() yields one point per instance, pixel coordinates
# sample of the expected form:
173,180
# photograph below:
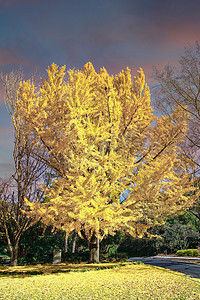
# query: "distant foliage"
188,252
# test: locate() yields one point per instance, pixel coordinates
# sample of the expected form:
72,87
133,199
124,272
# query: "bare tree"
181,87
29,170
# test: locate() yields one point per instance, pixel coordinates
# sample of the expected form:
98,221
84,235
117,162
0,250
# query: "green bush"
76,257
135,247
119,256
37,245
114,257
188,252
4,259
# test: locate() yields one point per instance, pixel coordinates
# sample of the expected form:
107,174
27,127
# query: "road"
186,268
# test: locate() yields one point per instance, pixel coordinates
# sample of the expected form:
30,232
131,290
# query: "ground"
128,281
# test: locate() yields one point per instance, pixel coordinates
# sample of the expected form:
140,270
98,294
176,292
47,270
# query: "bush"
114,257
75,257
137,247
36,246
188,252
119,256
4,259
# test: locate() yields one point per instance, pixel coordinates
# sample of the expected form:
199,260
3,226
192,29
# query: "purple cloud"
12,56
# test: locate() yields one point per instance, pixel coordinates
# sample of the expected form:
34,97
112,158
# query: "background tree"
29,168
178,232
117,165
180,86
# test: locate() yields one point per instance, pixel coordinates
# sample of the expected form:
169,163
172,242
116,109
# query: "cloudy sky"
110,33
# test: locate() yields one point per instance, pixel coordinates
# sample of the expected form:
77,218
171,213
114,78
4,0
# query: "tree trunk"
94,250
66,243
14,255
74,241
13,249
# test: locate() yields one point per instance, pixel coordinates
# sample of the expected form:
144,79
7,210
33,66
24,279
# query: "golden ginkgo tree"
117,166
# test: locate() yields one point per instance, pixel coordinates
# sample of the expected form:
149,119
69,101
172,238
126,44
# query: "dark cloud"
8,3
160,10
105,32
114,34
164,23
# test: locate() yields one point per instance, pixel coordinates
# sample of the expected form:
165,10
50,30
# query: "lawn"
129,281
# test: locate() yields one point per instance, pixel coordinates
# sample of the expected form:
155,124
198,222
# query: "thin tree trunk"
12,249
74,241
94,250
66,243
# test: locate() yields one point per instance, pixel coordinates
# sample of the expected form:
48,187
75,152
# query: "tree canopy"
117,165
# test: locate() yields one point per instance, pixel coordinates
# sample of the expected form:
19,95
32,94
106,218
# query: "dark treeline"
38,243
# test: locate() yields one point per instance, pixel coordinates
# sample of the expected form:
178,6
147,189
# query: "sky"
112,33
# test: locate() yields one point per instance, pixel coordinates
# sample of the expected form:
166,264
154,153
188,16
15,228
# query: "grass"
46,269
128,281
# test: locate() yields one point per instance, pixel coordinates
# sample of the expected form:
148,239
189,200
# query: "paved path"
186,268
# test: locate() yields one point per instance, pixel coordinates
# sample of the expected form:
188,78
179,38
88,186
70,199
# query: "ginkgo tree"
117,166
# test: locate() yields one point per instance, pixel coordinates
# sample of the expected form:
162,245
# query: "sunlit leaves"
102,139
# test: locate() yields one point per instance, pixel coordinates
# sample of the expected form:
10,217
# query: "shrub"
188,252
76,257
4,259
114,257
137,247
119,256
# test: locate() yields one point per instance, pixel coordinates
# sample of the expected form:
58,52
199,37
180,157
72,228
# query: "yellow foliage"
103,139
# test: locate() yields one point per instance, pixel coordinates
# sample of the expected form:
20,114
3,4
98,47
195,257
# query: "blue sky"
110,33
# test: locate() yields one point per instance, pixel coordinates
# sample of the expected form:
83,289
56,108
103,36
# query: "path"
186,268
